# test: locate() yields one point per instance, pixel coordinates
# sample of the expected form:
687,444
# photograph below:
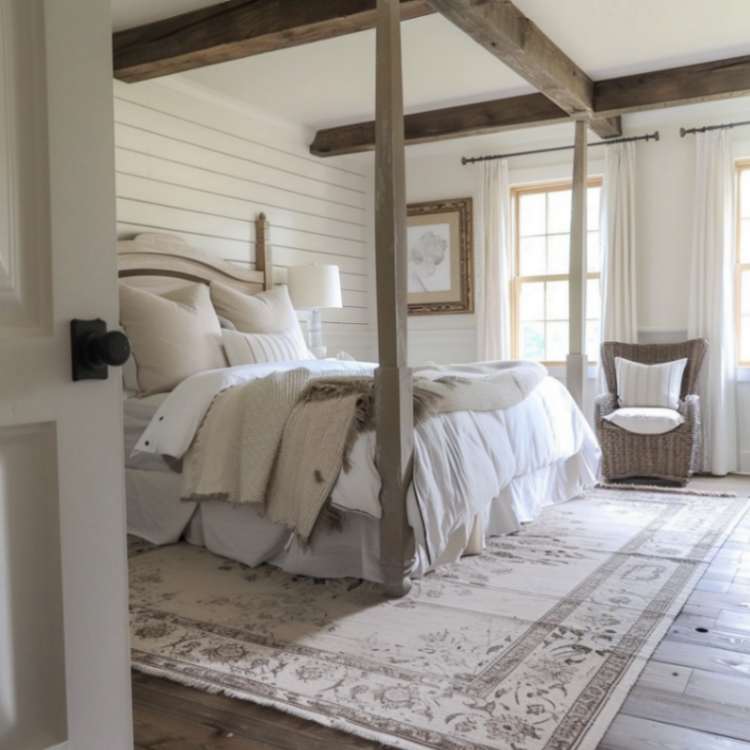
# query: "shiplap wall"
192,166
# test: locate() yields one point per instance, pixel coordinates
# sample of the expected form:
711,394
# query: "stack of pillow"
196,327
648,396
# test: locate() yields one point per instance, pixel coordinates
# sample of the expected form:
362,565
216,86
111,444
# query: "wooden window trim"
742,165
517,281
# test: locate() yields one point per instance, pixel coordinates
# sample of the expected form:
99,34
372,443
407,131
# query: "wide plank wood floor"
693,695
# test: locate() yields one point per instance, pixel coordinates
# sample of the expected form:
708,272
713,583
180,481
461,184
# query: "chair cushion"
646,420
649,385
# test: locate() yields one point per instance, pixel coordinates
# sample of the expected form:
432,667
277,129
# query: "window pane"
557,300
532,341
745,339
592,207
593,300
531,214
559,206
593,253
532,301
532,257
745,293
745,241
592,340
558,253
557,341
745,193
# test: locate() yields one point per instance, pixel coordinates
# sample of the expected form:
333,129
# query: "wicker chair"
671,456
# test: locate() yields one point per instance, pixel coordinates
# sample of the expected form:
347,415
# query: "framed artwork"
440,249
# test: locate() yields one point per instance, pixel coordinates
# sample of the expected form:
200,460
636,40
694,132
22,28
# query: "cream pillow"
172,336
265,312
649,385
256,348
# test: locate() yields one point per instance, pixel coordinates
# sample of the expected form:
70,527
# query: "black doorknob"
113,348
94,349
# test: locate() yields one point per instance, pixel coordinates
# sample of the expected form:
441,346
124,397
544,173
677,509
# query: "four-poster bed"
401,545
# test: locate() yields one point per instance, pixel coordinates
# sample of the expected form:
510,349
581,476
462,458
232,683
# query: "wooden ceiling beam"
520,44
719,79
439,124
237,29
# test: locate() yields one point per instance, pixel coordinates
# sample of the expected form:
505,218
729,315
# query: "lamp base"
315,335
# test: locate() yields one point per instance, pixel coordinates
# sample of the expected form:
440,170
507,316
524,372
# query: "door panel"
32,651
62,517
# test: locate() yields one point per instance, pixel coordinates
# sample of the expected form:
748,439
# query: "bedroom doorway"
64,678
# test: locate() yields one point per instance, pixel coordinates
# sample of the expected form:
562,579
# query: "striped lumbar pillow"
258,348
649,385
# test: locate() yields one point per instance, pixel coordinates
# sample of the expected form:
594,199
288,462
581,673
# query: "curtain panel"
495,241
711,298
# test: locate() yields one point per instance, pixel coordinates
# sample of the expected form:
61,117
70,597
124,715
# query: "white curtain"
494,239
711,297
619,296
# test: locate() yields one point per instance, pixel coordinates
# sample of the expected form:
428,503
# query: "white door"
64,677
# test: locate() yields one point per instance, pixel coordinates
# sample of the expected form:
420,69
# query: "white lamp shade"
314,287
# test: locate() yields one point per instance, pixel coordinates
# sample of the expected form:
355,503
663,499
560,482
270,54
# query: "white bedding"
500,467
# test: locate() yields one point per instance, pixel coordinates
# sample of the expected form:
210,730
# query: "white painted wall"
193,164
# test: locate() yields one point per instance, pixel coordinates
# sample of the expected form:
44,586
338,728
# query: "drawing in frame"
440,249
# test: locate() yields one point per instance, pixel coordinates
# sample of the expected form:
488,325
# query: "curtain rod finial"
683,132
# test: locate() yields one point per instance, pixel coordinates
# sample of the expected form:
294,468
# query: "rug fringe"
662,488
342,725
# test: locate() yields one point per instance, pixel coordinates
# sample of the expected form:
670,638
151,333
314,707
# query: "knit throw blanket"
279,443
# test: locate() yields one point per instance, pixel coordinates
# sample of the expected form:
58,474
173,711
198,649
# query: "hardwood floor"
693,695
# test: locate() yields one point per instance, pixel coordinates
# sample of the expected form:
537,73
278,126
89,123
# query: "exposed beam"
520,44
438,124
720,79
240,28
607,127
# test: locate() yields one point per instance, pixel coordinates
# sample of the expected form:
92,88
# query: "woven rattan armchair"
671,456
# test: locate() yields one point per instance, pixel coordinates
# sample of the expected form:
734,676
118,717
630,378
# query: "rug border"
602,722
593,735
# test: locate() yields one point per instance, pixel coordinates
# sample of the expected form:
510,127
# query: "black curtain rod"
690,131
648,137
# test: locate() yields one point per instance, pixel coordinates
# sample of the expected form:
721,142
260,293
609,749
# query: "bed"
499,468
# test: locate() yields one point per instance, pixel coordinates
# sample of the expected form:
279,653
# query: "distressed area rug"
534,644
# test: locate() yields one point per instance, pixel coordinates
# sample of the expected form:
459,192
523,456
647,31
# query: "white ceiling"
332,82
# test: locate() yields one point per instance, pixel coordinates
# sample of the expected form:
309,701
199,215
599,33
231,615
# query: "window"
743,263
541,272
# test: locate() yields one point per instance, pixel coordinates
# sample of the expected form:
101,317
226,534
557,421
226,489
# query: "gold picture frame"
440,250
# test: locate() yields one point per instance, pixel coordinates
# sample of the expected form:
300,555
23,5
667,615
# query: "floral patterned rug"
534,644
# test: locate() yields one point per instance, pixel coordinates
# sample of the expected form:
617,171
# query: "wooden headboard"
159,257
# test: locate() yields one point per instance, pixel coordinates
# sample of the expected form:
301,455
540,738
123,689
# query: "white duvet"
463,461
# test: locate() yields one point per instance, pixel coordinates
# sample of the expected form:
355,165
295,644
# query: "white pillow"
172,336
257,348
646,420
649,385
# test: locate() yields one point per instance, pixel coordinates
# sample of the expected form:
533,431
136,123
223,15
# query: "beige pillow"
257,348
172,336
265,312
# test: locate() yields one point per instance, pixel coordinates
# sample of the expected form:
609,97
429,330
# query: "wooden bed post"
393,385
263,251
575,371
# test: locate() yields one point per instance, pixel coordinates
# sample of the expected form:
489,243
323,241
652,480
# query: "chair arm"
604,404
690,408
